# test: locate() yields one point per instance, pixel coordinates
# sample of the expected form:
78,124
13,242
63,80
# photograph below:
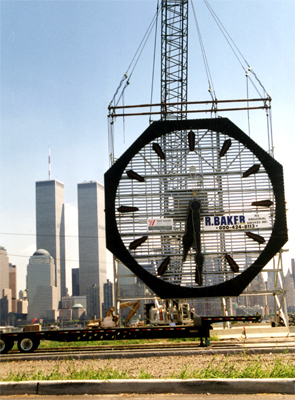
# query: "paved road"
170,396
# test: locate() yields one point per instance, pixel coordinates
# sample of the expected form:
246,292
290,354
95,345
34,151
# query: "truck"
162,321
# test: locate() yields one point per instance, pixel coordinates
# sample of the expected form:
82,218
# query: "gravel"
158,367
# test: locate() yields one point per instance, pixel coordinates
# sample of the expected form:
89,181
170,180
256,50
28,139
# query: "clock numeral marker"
133,175
191,140
158,150
262,203
255,237
163,266
124,209
233,265
137,242
252,170
225,147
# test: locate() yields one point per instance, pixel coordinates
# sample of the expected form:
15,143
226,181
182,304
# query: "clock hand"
188,237
199,258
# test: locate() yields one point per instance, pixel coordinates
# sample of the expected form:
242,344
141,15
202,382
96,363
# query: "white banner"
161,224
236,222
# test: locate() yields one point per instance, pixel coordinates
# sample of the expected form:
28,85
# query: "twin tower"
50,226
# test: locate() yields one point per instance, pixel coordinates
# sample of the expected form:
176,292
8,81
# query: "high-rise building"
50,224
4,270
289,287
22,306
5,304
258,285
42,292
92,246
108,296
75,281
293,269
23,295
5,291
94,302
12,286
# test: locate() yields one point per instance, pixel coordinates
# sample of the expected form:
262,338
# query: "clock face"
195,208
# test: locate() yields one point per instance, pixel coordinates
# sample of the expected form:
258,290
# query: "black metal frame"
233,287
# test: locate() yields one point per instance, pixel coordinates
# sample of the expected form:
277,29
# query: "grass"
212,338
55,374
52,344
228,368
48,344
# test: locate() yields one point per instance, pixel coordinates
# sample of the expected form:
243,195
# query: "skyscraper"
12,286
293,269
290,292
75,282
92,246
5,291
108,296
4,270
42,292
50,224
94,301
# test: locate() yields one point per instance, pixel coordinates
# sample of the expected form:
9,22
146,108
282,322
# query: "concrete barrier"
151,386
253,331
14,388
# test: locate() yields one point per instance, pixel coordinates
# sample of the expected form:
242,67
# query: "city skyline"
61,64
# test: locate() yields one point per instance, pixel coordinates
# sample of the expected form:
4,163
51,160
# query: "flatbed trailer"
29,341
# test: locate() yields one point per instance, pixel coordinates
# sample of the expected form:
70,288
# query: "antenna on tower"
49,165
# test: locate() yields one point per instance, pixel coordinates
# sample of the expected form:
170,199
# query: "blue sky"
61,63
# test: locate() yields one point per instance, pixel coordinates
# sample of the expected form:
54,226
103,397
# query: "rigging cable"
111,140
154,60
270,132
126,79
247,70
123,103
206,64
134,60
248,112
233,46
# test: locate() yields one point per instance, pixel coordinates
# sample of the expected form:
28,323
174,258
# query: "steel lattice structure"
174,69
174,58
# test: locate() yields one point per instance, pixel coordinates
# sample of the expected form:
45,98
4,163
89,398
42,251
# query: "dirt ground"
158,367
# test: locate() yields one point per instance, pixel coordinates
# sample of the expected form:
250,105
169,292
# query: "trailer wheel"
28,345
6,345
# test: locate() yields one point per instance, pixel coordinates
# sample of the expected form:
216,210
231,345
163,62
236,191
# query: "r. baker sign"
236,221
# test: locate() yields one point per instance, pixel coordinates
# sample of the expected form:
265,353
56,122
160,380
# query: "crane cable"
206,64
126,79
134,61
154,59
235,49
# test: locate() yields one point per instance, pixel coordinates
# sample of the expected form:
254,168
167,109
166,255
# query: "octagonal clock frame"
202,227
